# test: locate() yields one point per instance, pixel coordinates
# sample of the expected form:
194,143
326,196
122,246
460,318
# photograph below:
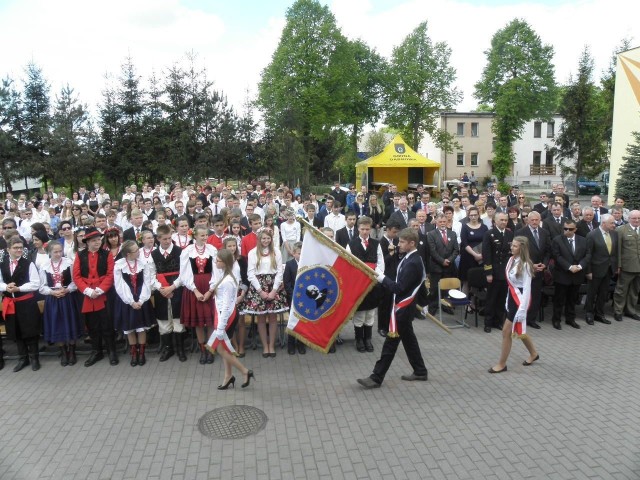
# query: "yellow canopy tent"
400,165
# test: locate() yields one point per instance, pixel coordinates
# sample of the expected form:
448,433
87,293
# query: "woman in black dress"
471,236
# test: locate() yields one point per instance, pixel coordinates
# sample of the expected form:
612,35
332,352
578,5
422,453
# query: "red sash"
214,341
9,304
162,278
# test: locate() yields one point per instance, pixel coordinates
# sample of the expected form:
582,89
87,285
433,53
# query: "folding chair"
477,289
451,284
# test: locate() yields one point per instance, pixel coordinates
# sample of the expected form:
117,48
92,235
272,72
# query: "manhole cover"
235,421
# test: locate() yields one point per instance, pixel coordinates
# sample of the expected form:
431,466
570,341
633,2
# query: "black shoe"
134,356
572,323
35,363
203,355
602,320
413,378
635,316
93,358
526,364
230,383
382,333
250,375
447,310
557,325
302,348
332,348
291,348
113,358
22,362
339,340
273,355
1,361
210,357
487,329
72,355
589,319
368,383
533,325
166,353
420,315
64,357
179,339
617,317
491,370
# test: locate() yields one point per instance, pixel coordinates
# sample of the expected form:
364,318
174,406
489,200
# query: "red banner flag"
330,285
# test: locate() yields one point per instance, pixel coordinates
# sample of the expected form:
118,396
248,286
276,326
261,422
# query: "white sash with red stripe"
519,326
393,324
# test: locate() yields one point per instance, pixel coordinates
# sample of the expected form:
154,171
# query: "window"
551,127
549,158
460,160
474,159
537,156
537,130
474,129
460,129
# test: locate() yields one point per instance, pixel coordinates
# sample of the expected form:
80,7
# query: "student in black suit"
289,282
602,247
409,277
587,224
135,232
443,250
311,216
540,253
347,233
553,223
572,261
390,252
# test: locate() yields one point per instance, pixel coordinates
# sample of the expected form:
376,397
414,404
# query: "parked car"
585,186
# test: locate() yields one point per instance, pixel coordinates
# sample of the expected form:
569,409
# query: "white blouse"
45,289
145,259
522,282
186,273
226,293
253,270
290,231
122,288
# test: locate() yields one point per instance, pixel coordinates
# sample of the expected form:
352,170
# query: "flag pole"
437,322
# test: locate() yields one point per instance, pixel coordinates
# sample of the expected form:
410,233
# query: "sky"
79,42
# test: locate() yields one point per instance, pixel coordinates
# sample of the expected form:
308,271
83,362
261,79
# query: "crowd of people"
168,255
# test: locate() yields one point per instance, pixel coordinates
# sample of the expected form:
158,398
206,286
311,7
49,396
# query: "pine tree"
628,184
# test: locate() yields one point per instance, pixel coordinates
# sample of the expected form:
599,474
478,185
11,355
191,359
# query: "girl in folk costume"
62,322
225,286
132,311
148,246
240,274
165,271
519,272
196,269
182,238
264,272
18,280
235,231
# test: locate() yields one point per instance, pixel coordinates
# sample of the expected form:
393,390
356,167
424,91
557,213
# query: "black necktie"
571,245
535,237
350,234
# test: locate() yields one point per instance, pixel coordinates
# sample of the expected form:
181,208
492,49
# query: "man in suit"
496,250
602,247
423,204
598,209
390,252
540,253
625,297
587,224
618,216
135,232
311,216
572,261
503,205
403,214
409,277
443,250
565,211
347,233
543,206
424,226
553,222
339,195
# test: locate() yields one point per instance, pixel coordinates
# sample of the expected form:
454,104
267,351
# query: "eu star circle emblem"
316,293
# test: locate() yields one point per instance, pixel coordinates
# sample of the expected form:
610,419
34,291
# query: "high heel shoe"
231,382
250,375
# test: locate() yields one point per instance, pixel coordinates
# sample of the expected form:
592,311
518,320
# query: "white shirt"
290,231
265,267
335,222
122,288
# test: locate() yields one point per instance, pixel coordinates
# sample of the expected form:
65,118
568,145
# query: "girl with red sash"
225,286
519,272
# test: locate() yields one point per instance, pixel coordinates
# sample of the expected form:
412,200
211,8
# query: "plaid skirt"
255,305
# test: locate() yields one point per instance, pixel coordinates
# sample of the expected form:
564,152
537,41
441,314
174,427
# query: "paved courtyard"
572,415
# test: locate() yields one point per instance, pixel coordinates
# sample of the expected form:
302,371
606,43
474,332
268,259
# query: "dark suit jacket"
397,217
289,278
342,236
565,258
390,260
408,278
130,234
496,250
423,250
602,212
538,207
439,252
583,229
538,254
418,206
602,263
554,228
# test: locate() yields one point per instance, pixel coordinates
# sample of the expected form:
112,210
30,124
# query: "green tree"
628,184
298,79
582,136
37,123
70,156
518,83
419,86
376,141
11,132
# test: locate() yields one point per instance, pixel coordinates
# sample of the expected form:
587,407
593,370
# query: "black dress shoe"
382,333
526,364
94,358
22,362
413,378
557,326
589,319
420,315
533,325
291,349
487,329
368,383
332,349
617,317
602,320
491,370
302,348
635,316
572,323
35,363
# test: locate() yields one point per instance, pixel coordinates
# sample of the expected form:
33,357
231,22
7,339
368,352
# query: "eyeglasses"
65,229
410,198
520,197
525,216
569,229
